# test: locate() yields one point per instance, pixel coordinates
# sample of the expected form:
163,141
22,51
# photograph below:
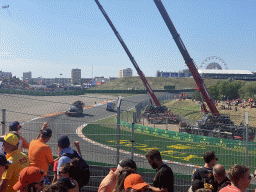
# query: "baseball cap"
28,175
128,163
134,181
3,160
47,132
10,138
67,183
63,141
14,125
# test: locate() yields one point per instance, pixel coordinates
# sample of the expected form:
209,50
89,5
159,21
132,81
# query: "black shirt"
164,178
206,175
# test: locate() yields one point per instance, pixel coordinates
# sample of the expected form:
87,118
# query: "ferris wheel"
214,62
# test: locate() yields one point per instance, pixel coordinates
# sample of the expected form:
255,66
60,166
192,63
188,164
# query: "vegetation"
156,83
171,149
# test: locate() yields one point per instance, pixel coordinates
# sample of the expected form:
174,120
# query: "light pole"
60,78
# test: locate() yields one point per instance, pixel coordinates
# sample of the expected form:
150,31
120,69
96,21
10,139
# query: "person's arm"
25,144
45,126
76,143
151,188
4,184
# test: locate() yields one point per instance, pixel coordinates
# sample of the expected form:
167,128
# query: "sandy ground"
170,127
23,108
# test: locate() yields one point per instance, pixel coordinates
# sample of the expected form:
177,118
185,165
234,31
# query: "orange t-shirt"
40,154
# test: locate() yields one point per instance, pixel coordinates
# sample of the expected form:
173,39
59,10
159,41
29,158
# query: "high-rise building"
125,73
76,76
5,74
27,76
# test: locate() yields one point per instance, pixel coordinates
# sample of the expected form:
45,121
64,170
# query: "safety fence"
98,138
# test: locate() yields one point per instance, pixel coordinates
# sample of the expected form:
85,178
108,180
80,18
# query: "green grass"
173,150
155,83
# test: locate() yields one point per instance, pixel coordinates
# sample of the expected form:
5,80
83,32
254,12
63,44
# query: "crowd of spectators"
29,173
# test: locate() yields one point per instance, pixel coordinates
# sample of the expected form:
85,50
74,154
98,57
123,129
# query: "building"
4,75
227,74
101,79
181,74
27,76
125,73
76,76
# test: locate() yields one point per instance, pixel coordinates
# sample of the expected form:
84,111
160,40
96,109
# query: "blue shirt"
64,159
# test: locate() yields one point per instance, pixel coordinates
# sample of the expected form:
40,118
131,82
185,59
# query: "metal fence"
98,141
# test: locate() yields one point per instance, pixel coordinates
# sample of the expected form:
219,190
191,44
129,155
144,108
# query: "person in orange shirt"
40,154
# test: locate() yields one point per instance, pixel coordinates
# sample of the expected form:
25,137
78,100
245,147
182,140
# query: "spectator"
14,127
19,159
203,190
64,147
121,177
56,187
40,154
4,164
30,180
254,178
205,173
67,183
199,184
66,170
164,176
240,179
108,183
219,174
135,182
56,161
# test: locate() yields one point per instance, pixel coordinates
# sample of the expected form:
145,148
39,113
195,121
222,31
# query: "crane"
188,60
140,73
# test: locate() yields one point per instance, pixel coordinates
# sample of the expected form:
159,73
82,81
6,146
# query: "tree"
197,96
248,90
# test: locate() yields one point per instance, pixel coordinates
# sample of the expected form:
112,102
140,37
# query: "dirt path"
170,127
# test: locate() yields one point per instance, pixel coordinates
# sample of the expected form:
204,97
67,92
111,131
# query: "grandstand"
228,74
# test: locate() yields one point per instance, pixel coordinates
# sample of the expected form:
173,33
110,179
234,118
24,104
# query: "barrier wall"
226,143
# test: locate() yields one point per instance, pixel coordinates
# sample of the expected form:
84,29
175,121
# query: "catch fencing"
98,142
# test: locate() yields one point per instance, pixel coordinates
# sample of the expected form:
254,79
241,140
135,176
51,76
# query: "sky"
51,37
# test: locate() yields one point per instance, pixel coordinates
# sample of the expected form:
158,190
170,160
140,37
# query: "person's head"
219,173
63,142
240,176
10,142
56,187
30,177
203,190
14,126
210,158
134,182
121,177
126,163
46,135
197,184
67,170
67,182
154,158
4,164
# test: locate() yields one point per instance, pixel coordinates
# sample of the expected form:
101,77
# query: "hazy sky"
49,37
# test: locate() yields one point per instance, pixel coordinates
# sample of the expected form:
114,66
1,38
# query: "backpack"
83,172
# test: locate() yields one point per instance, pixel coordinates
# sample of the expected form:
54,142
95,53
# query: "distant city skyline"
53,37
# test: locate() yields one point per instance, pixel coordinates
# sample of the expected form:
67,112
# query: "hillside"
155,83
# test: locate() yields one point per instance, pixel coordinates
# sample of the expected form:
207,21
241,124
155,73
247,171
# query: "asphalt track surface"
63,124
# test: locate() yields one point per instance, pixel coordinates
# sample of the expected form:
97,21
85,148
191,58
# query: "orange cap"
134,181
28,175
